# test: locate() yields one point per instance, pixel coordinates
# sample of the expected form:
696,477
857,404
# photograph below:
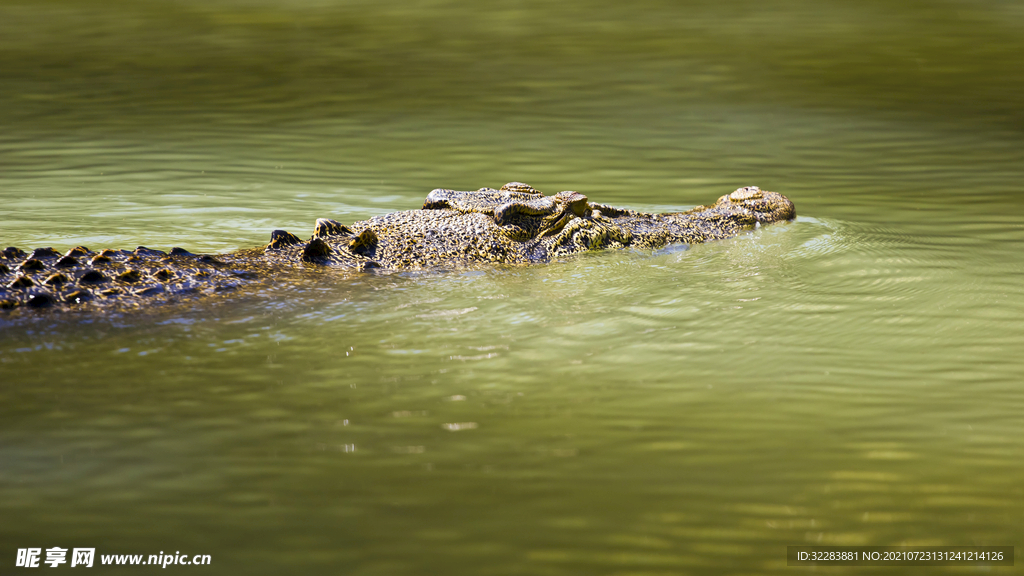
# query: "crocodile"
513,225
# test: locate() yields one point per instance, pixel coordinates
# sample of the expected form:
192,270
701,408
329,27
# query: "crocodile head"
762,206
516,224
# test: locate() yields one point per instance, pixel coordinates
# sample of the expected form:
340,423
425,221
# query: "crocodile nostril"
747,193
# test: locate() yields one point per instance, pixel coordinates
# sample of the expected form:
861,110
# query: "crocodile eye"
519,187
574,201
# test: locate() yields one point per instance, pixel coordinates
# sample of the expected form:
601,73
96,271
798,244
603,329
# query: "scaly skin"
513,225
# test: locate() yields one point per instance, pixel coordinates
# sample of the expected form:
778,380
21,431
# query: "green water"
853,377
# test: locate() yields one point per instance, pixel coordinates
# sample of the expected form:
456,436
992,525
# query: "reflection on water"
848,378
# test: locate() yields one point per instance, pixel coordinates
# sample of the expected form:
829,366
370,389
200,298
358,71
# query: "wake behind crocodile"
511,226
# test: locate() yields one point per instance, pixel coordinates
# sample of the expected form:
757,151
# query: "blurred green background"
935,59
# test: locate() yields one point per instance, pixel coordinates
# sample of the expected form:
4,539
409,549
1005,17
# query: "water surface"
851,377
